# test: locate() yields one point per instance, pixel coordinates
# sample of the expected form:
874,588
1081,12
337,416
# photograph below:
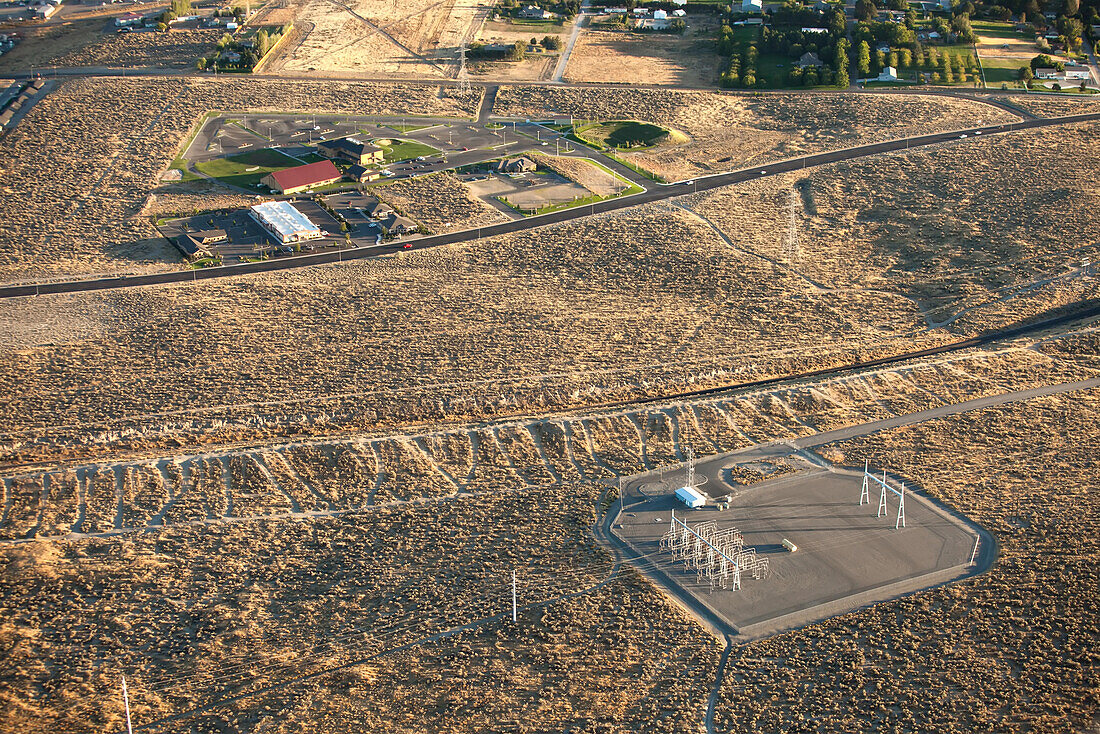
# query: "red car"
407,246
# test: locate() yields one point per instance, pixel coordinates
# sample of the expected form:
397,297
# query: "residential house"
531,12
360,174
888,74
809,59
1077,73
1044,72
396,225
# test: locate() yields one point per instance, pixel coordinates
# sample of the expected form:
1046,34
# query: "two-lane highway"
656,193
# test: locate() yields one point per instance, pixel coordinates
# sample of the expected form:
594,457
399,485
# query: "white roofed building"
284,222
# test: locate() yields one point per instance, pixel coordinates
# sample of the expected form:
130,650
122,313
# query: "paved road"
656,193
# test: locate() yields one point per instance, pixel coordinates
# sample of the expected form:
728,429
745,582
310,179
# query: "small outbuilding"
691,497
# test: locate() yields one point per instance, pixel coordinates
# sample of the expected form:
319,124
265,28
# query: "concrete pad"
847,557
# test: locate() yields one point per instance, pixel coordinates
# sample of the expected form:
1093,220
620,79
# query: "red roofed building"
300,178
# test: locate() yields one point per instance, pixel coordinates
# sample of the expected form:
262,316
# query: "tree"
905,58
263,43
551,43
962,29
842,80
865,10
1071,8
181,7
999,12
863,58
1025,74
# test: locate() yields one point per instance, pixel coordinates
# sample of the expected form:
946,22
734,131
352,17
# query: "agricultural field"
65,219
1012,649
43,43
440,202
728,131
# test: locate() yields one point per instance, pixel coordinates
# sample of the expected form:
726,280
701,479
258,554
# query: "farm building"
534,13
888,74
351,150
1079,73
284,222
129,19
752,6
523,164
300,178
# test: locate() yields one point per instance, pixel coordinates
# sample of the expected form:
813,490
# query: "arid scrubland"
581,313
207,612
1011,650
977,233
441,202
1055,106
177,49
81,165
336,474
729,131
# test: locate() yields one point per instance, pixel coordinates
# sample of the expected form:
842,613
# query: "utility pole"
514,609
126,700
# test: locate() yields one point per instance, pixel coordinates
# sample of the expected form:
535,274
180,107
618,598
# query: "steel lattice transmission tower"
791,249
463,75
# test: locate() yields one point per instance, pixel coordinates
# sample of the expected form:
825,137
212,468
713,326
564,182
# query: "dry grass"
730,131
334,474
610,56
180,608
1011,650
440,202
44,42
81,165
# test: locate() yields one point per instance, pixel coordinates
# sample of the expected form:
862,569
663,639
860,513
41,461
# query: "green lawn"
996,29
246,169
403,150
999,71
399,128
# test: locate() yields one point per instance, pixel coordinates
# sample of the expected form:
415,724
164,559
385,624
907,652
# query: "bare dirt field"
593,178
440,202
613,56
729,131
1011,649
83,163
376,37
